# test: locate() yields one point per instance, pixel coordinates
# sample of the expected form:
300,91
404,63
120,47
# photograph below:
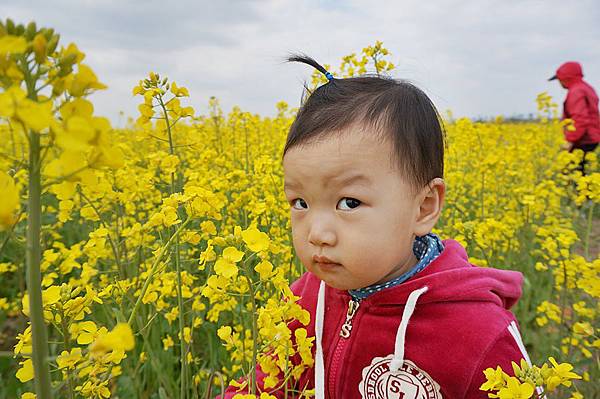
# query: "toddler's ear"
431,201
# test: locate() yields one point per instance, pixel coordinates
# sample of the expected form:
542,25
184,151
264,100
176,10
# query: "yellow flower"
14,104
10,44
583,328
69,359
28,395
224,333
264,269
516,390
167,342
92,388
51,295
25,373
560,374
23,344
120,338
255,240
37,116
85,332
170,216
10,201
226,268
84,81
231,254
187,335
67,165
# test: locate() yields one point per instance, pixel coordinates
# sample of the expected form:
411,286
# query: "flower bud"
10,26
19,30
76,291
39,48
49,33
52,43
30,31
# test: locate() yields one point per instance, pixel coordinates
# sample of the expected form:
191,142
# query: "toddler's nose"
321,233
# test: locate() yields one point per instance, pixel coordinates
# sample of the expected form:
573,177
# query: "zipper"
341,343
347,326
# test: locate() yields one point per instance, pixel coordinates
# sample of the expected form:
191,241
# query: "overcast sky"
478,58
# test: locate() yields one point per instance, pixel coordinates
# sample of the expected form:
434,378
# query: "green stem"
67,342
34,275
183,349
42,381
182,346
153,270
254,329
588,232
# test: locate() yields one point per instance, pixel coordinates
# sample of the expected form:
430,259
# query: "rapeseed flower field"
164,249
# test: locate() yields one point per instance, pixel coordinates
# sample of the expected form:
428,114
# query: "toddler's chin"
336,284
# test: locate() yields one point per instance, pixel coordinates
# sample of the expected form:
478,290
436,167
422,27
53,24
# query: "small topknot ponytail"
305,59
391,109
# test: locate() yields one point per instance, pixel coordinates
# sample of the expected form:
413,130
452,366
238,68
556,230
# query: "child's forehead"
336,158
370,170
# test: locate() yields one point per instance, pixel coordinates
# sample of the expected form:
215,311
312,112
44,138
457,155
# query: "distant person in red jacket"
581,105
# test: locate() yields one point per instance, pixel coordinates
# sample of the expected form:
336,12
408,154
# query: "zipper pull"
347,326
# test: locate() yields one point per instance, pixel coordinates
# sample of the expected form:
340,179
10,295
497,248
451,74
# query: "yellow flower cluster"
167,254
528,379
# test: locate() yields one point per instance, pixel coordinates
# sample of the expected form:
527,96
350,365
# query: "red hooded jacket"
581,105
460,326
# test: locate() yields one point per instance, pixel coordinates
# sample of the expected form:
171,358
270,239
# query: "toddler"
396,311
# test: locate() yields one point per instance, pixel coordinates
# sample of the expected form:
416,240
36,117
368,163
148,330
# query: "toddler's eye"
349,203
299,201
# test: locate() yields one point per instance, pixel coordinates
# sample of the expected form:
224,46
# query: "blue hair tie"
329,76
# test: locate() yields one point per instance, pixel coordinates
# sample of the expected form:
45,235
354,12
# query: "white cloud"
478,58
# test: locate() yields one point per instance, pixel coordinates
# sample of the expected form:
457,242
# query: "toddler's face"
365,225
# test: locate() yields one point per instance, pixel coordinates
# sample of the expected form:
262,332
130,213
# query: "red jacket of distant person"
460,326
581,105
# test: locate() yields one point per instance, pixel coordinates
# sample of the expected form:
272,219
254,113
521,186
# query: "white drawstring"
398,358
319,367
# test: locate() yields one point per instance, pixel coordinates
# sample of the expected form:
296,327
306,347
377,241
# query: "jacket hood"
569,73
451,278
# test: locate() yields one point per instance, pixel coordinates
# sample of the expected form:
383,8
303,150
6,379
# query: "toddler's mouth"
327,266
324,263
322,259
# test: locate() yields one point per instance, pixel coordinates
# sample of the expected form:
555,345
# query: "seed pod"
30,31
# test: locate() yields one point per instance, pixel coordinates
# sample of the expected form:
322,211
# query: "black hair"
394,109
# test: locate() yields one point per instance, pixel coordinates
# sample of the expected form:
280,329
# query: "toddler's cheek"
305,259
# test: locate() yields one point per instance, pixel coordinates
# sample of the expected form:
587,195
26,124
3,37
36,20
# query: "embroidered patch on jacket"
409,382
